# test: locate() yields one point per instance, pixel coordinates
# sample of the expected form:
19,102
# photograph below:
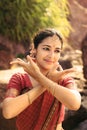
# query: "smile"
49,61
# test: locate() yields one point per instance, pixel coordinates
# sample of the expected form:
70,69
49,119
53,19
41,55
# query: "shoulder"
18,77
66,81
19,81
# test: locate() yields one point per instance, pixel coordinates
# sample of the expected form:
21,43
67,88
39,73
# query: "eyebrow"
50,47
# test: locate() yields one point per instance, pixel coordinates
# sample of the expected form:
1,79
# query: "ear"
33,53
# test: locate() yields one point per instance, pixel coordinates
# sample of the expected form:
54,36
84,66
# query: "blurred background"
20,20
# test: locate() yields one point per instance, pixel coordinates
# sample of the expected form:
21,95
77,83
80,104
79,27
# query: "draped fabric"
34,116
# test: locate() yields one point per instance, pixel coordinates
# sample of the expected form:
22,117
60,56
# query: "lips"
48,61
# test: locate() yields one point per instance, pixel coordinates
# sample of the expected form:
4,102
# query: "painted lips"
49,61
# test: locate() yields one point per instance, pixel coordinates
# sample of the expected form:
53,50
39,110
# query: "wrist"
28,96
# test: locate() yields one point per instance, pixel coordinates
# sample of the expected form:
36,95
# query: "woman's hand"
57,73
30,67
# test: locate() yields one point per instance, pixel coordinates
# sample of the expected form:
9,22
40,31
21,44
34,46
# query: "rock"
84,56
2,91
77,120
7,124
73,119
8,51
82,126
78,20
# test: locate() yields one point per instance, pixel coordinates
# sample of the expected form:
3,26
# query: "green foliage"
58,13
20,19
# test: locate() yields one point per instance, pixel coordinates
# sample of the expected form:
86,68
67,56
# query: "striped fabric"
33,117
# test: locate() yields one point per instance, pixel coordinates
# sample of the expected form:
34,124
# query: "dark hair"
41,35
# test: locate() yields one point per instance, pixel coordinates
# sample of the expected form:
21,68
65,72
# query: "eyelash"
47,49
57,51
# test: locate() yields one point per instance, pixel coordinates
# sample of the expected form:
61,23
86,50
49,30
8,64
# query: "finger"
71,70
29,59
31,62
67,72
18,61
60,67
34,59
15,61
55,67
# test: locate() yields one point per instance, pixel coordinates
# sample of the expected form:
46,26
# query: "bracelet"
28,98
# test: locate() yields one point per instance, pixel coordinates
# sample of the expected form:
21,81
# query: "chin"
47,67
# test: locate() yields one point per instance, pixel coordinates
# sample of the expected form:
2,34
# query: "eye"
57,51
46,48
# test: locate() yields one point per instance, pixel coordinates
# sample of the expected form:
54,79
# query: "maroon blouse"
34,116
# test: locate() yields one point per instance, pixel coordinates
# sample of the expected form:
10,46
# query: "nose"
51,54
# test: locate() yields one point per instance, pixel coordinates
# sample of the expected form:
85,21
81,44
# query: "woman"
38,96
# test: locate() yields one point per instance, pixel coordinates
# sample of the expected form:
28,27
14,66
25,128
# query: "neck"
43,71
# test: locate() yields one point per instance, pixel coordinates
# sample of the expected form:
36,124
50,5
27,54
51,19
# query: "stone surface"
84,56
8,51
78,20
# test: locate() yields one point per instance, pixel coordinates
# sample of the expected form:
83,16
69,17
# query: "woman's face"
48,52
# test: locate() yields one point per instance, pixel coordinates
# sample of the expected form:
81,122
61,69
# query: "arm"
69,97
12,106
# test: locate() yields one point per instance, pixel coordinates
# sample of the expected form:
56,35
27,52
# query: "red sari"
38,113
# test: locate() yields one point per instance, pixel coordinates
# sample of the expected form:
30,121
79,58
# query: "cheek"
57,57
39,57
40,53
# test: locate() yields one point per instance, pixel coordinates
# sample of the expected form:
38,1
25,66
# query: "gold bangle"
28,98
